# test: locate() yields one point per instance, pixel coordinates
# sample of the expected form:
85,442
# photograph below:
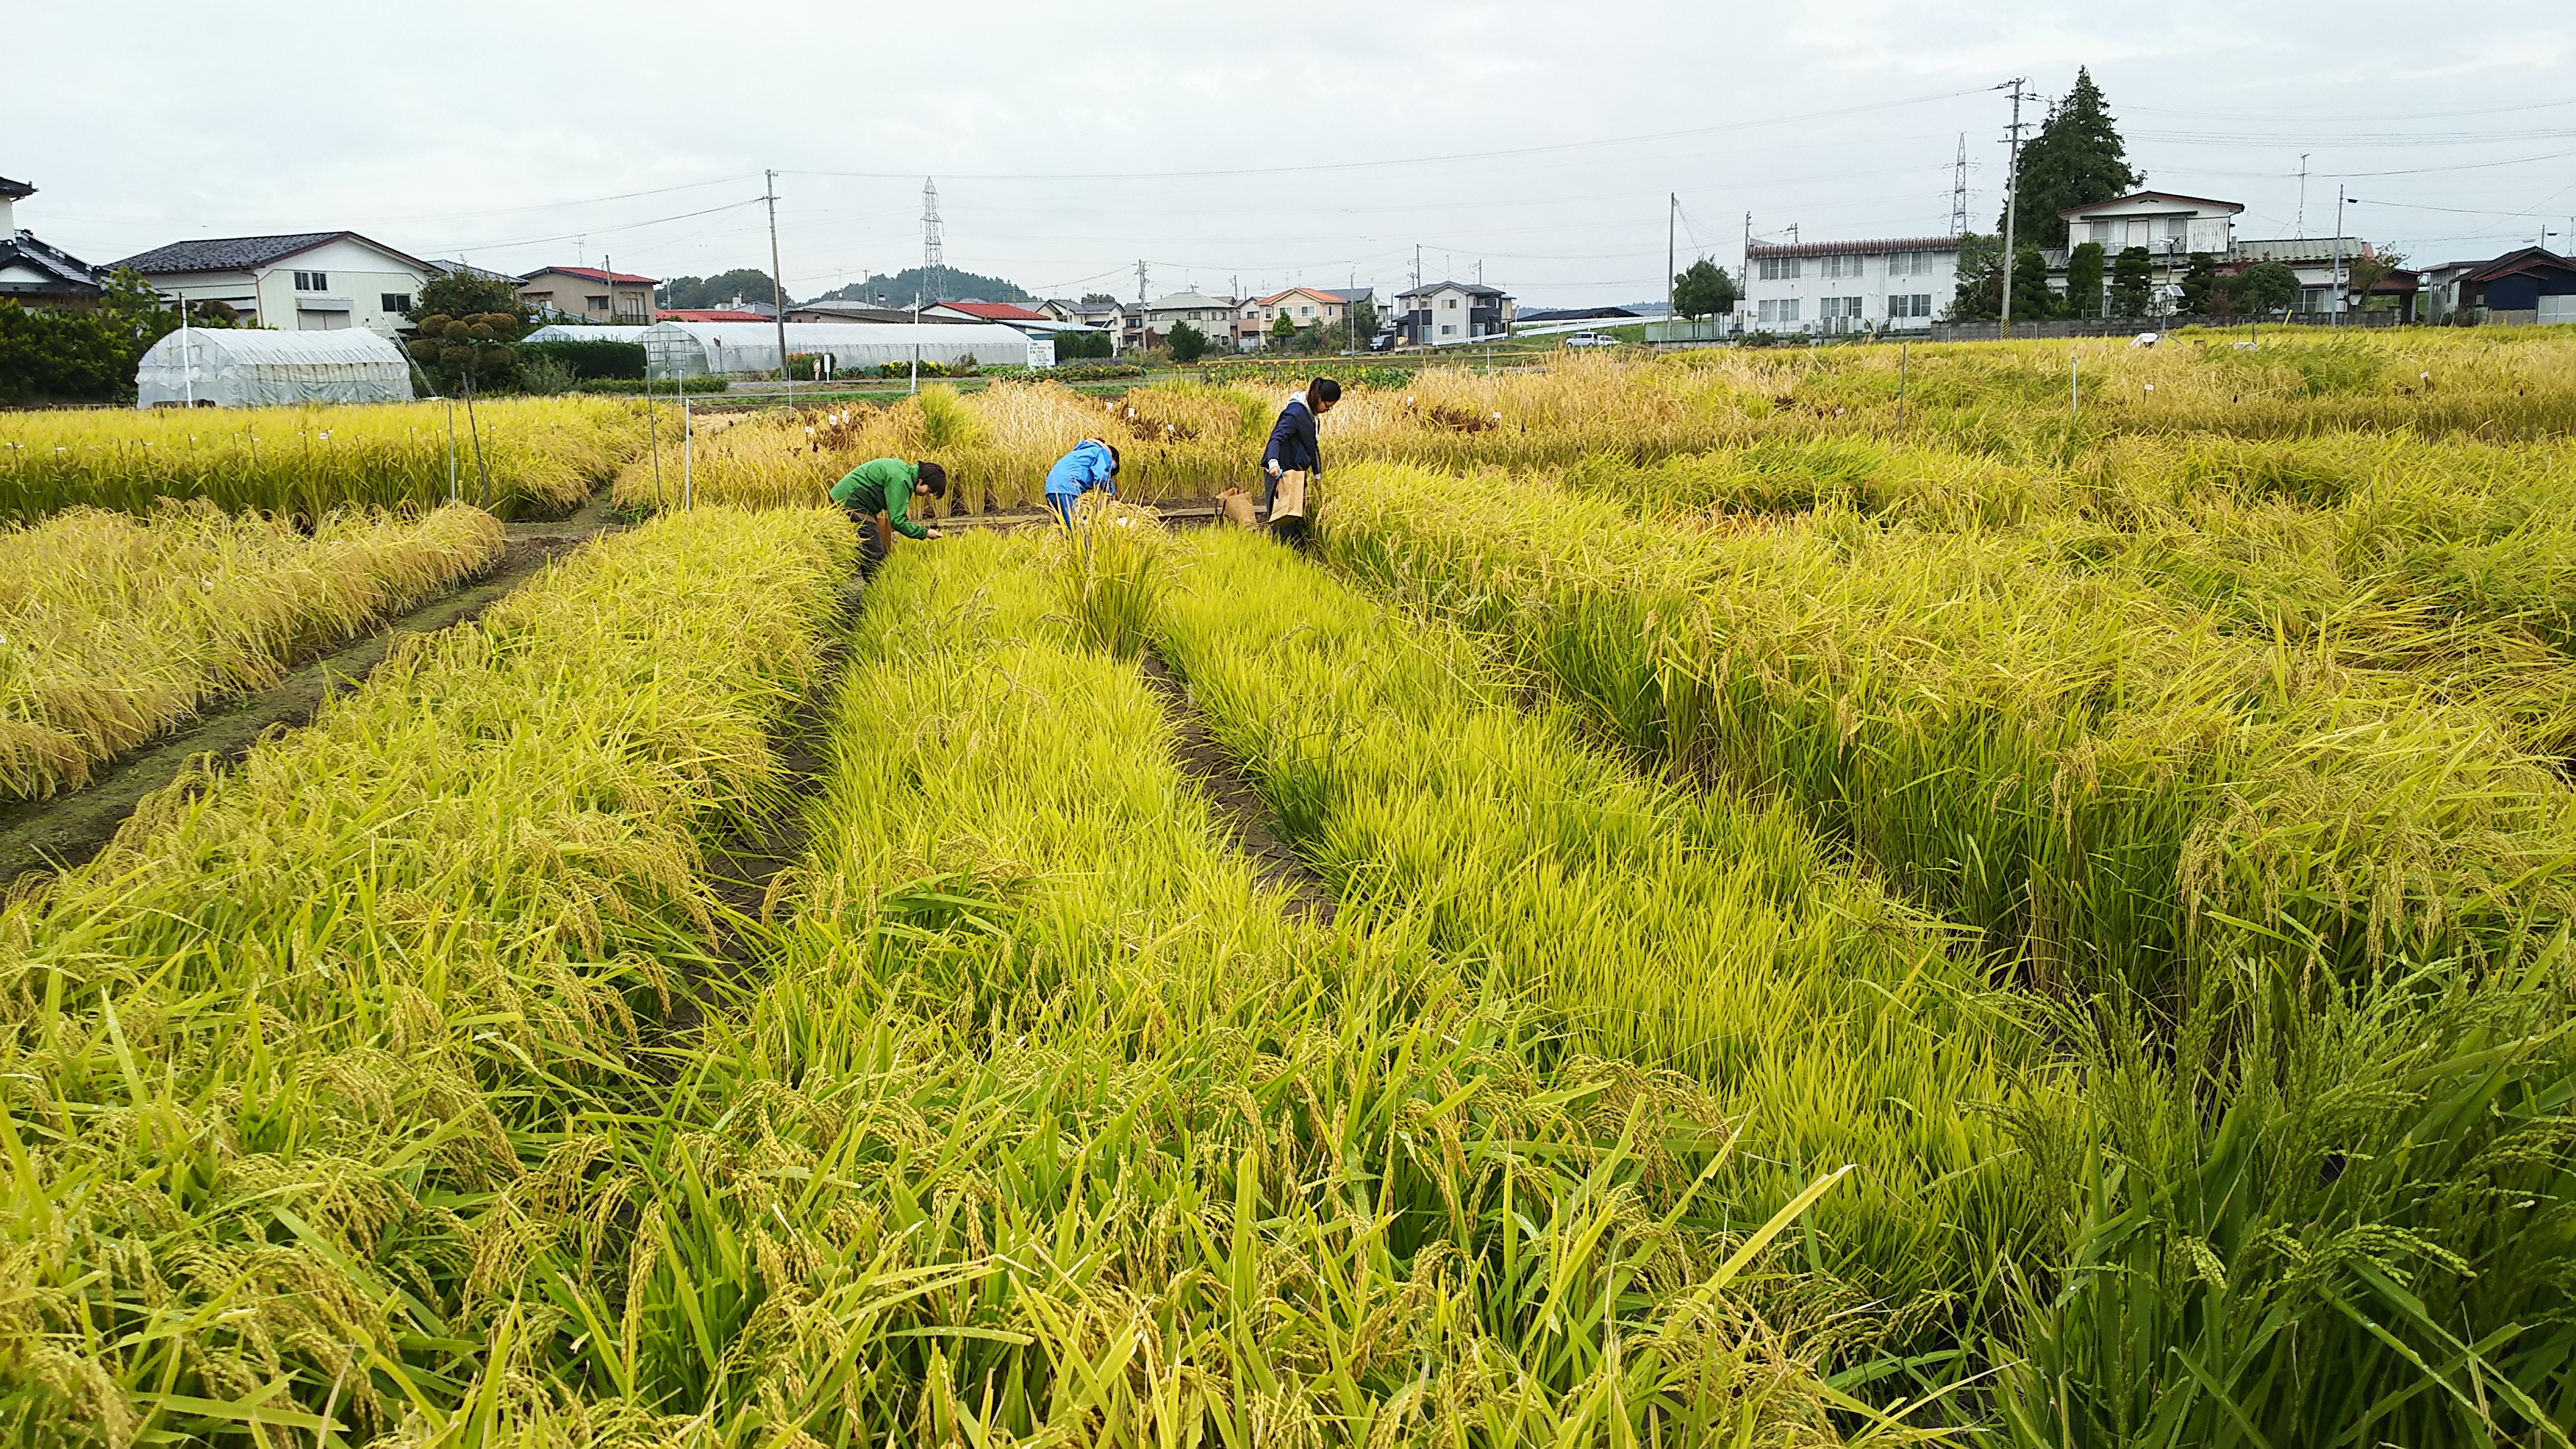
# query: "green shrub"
591,360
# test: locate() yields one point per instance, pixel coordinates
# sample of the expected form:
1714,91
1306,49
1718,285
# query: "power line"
1419,160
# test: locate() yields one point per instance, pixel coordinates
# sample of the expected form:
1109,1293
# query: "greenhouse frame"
584,332
750,349
251,367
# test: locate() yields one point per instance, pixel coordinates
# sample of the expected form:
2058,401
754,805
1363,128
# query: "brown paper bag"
1288,496
1237,507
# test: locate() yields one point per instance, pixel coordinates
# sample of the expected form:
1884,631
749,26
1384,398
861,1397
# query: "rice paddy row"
114,629
2253,883
519,457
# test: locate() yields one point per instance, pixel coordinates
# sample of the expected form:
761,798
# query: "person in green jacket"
878,494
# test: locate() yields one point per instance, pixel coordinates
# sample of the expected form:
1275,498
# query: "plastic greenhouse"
248,368
749,349
584,332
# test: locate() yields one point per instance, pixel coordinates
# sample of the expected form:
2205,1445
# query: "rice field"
515,456
113,629
997,444
2002,927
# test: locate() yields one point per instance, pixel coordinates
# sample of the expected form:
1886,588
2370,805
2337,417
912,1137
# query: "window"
395,302
1305,311
1771,312
1909,264
1779,269
1909,304
1448,329
1841,267
1450,303
2098,231
597,304
312,282
1837,308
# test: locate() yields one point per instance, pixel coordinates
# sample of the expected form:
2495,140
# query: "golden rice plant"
297,1077
540,455
113,628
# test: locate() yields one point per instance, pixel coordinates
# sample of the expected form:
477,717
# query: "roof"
1338,299
2526,259
242,253
468,269
1575,314
68,275
2298,249
2230,207
257,345
995,311
710,314
859,312
1184,301
1472,288
1838,248
590,274
15,189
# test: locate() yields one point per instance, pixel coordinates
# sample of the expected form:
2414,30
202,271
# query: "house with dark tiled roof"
34,273
316,281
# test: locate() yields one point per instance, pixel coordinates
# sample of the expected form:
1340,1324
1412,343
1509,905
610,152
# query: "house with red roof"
587,294
710,314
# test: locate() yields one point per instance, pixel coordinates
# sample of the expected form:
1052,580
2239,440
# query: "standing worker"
878,494
1091,464
1293,457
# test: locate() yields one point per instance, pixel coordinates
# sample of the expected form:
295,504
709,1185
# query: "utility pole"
1672,208
1417,264
1140,281
2012,198
1959,189
608,274
2340,290
777,284
2299,228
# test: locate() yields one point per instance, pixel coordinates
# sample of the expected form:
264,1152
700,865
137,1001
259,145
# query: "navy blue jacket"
1292,441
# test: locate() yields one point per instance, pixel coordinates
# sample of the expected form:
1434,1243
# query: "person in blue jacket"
1292,447
1091,464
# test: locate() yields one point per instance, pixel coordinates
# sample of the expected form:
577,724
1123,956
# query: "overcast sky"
1068,141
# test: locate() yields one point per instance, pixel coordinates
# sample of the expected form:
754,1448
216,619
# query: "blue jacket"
1292,440
1078,472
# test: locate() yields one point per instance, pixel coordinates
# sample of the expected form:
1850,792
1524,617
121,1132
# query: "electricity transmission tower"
1959,189
934,257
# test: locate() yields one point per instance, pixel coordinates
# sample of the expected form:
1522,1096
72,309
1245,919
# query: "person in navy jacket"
1292,447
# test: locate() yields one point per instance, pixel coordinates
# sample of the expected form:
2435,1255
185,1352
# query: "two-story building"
1890,284
306,282
587,294
1256,317
1211,315
1444,314
37,274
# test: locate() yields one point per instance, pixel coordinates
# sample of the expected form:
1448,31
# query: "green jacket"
882,485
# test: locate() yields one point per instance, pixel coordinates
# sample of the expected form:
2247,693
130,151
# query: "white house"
2169,225
317,281
1896,284
1441,314
1211,315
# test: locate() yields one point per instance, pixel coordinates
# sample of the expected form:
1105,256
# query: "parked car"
1591,339
1382,341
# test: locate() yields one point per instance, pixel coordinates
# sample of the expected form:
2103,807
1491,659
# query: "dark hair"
1322,390
1113,456
935,478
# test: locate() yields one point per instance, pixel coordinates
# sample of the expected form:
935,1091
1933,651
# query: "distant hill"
954,286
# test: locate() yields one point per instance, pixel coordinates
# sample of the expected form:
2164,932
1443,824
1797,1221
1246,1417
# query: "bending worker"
1091,464
878,494
1292,456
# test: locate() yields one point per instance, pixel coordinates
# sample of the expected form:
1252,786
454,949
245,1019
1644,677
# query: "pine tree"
2076,159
